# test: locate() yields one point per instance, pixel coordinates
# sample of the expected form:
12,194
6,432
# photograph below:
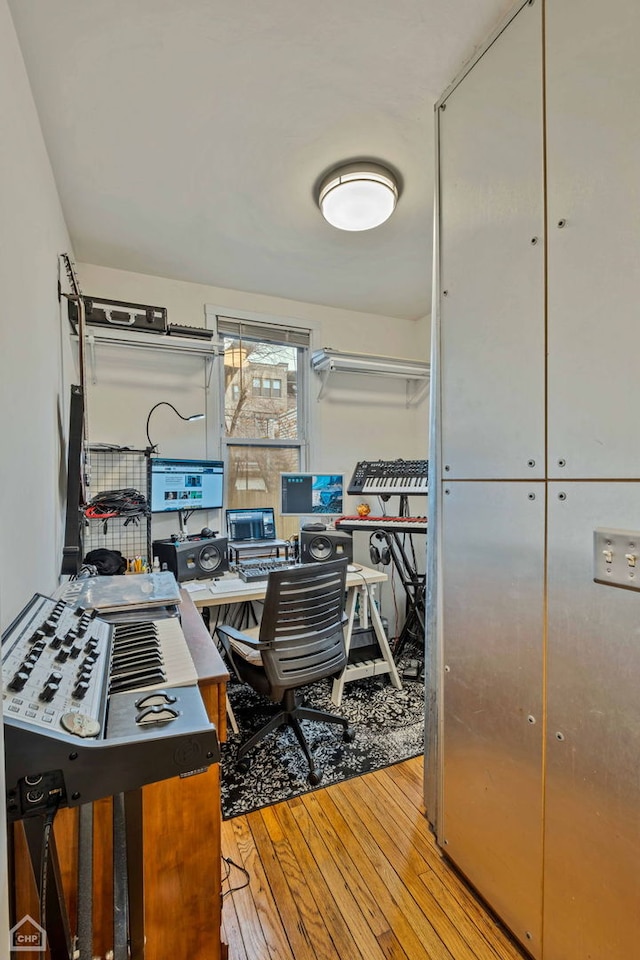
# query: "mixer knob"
49,627
80,689
19,680
75,652
49,689
62,655
56,643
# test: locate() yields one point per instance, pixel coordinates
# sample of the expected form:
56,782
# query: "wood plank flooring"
352,872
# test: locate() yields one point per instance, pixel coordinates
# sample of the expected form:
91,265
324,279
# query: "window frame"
272,326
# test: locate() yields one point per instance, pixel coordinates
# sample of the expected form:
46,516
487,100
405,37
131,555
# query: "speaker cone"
209,558
320,548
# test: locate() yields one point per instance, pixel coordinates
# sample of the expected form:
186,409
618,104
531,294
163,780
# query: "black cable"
116,503
44,863
231,863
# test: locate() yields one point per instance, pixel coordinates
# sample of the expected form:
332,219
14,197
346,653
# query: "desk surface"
231,589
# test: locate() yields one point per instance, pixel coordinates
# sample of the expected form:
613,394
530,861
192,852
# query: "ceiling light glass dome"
358,196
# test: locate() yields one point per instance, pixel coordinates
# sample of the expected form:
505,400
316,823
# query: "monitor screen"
304,494
251,523
185,484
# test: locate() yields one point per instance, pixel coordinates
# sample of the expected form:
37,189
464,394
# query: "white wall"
358,417
33,396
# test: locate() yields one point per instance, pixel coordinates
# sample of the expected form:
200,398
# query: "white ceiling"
187,136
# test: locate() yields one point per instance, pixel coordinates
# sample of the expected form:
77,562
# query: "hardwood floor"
352,872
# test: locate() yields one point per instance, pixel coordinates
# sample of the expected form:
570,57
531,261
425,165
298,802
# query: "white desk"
231,589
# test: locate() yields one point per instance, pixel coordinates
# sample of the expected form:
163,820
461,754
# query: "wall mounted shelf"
186,346
329,361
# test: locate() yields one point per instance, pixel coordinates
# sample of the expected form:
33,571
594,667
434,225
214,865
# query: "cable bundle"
116,503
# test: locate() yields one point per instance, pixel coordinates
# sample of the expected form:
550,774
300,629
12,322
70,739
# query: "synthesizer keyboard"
389,477
87,715
389,524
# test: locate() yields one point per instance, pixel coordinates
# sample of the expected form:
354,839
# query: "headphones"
379,549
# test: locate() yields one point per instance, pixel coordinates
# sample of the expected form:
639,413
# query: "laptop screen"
255,523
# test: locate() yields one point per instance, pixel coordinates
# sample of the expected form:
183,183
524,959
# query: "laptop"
251,525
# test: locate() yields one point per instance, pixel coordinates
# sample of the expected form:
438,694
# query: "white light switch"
615,557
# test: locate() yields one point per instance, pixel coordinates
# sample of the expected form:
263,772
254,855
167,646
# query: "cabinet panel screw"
531,463
562,462
562,496
561,224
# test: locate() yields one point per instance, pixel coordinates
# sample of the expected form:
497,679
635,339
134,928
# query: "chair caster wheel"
314,778
243,766
349,735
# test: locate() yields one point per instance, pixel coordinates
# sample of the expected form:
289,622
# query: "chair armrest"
230,633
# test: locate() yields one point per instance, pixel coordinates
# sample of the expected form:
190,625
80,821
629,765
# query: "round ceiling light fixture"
358,196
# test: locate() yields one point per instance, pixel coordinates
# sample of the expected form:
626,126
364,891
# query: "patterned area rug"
389,728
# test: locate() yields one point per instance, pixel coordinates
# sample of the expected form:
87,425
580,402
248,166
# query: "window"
264,403
262,388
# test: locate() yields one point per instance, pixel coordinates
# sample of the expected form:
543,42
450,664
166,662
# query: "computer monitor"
251,523
185,485
307,494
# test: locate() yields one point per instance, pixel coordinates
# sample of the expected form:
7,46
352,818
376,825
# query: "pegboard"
110,468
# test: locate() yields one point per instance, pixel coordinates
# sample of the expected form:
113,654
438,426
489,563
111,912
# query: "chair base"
291,714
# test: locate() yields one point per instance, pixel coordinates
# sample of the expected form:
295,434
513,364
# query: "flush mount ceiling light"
358,196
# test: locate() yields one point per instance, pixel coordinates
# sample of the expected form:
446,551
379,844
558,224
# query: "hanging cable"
44,863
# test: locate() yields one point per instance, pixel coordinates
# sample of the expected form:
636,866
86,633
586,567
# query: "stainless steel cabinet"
537,741
492,265
493,575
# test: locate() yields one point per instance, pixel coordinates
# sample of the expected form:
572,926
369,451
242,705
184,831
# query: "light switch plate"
616,557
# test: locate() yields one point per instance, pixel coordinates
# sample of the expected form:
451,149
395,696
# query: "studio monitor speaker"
198,558
316,547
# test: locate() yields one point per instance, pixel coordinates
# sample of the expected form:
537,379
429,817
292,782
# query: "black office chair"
300,639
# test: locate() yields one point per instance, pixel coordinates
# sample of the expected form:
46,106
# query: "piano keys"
390,477
149,654
389,524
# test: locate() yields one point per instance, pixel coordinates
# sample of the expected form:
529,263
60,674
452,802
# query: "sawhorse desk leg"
369,668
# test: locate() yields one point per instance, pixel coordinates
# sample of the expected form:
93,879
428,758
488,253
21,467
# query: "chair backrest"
303,622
